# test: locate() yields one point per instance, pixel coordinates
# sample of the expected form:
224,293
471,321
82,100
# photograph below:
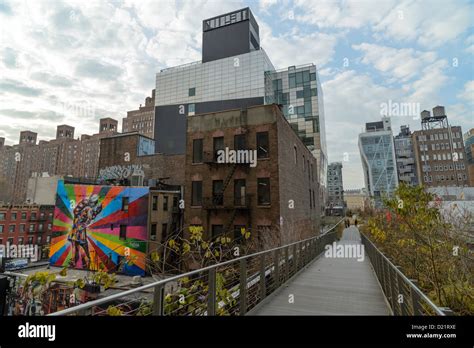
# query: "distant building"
143,119
356,199
276,200
27,224
62,156
130,159
335,186
378,160
405,157
439,151
469,147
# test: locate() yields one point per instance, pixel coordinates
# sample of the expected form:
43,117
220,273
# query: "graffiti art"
100,228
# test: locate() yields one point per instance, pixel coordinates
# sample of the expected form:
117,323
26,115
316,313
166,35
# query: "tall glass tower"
378,160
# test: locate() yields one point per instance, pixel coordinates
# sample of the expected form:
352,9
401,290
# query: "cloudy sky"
75,62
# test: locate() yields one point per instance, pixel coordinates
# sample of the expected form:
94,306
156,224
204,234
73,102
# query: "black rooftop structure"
229,35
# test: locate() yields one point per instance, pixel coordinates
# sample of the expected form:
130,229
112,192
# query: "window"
239,142
10,241
312,76
196,193
20,240
191,109
38,239
217,230
125,201
309,173
22,228
299,94
263,191
218,144
153,232
239,192
217,194
32,228
123,232
30,240
11,229
2,228
197,151
238,232
192,92
40,227
310,200
13,217
2,216
262,145
292,80
304,164
175,202
164,231
33,216
23,215
295,152
155,203
165,203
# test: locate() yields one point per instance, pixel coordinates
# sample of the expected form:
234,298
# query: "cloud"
426,22
98,70
9,57
17,87
400,64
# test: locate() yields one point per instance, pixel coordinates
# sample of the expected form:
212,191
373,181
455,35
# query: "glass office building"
378,160
298,90
234,73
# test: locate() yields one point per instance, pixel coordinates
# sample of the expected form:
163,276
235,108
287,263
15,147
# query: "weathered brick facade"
290,215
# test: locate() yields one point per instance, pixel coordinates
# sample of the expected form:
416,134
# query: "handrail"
389,275
212,268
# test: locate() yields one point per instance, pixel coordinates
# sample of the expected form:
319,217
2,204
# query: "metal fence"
403,296
233,287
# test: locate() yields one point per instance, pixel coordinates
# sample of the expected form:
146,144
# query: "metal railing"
228,288
402,294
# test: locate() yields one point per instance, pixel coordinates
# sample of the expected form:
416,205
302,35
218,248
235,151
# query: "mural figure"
93,231
84,213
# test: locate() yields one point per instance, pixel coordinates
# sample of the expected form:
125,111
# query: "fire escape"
216,203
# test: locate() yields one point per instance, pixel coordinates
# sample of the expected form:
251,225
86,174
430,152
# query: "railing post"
446,311
211,299
158,300
243,286
415,304
263,290
287,264
277,267
295,258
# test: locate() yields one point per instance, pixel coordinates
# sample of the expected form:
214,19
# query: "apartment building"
141,120
439,151
273,193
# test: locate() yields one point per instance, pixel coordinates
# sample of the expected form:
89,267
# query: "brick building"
277,200
439,151
141,120
62,156
26,224
130,158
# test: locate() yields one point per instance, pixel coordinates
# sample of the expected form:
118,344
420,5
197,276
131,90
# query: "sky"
74,62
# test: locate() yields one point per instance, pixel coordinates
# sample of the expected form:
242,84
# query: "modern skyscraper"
405,155
235,73
378,160
439,151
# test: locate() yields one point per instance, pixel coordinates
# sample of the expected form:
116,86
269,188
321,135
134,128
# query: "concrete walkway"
330,286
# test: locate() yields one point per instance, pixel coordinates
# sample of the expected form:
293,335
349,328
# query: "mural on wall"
92,230
121,172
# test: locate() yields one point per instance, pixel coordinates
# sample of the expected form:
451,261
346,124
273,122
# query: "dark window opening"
197,151
196,193
263,191
262,145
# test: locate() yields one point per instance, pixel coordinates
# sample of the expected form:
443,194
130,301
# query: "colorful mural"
95,229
